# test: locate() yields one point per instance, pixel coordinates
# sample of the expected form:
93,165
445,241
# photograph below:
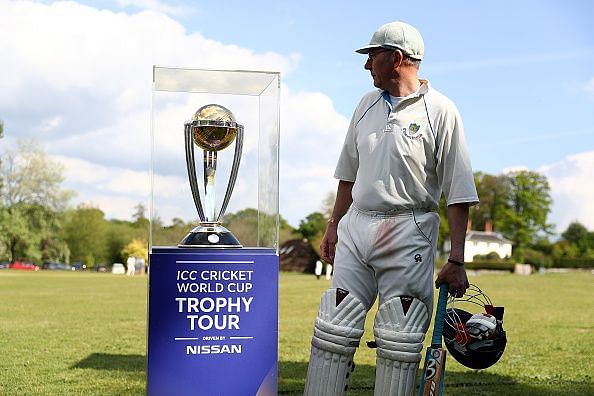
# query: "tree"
31,177
244,225
578,235
136,248
248,226
118,234
172,234
31,202
313,228
565,249
314,224
493,192
527,206
85,233
140,220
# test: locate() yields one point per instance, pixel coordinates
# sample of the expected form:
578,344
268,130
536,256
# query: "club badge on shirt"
413,131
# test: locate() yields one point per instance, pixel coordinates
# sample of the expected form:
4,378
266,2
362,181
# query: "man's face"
380,63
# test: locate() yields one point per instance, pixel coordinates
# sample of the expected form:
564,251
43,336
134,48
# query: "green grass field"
71,333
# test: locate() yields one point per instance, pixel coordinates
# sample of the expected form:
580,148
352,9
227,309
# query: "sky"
76,76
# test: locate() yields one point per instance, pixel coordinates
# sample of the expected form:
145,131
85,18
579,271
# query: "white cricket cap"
397,35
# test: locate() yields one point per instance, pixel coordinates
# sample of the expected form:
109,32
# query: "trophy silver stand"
213,128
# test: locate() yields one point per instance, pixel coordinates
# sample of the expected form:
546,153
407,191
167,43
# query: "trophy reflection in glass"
213,128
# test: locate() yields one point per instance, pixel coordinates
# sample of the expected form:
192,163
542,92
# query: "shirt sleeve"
348,161
454,171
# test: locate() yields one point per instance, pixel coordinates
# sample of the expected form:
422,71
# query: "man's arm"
342,204
454,274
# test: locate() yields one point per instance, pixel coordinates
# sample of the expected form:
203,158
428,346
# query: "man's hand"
452,274
329,243
455,276
341,205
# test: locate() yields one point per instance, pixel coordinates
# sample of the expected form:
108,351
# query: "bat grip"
440,315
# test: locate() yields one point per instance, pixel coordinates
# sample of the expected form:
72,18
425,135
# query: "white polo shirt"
404,157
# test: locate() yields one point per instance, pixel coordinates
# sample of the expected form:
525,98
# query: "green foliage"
578,235
170,235
118,234
537,259
31,204
85,232
244,225
493,192
565,249
136,248
141,222
493,256
563,262
517,205
501,265
314,224
528,206
31,177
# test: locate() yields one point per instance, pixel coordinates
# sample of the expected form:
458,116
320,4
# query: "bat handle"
440,315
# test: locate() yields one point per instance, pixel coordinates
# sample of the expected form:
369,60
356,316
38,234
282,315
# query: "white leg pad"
337,331
399,334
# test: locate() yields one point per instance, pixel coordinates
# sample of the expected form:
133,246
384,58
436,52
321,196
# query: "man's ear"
398,58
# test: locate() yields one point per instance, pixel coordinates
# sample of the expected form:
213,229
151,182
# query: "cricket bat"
435,359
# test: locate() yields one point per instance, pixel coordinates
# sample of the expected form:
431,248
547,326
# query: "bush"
500,265
491,265
537,259
492,256
573,263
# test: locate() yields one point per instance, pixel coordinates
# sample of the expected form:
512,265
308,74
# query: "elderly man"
404,147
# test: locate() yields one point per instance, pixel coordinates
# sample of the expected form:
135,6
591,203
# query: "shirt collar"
422,90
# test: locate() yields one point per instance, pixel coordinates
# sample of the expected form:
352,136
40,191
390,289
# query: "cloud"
157,6
572,190
513,169
80,83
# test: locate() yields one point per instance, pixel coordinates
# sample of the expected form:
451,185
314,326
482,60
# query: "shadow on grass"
292,380
108,361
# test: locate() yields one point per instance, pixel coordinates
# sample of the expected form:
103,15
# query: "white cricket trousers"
390,254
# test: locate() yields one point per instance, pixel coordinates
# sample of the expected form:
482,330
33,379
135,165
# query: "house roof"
485,236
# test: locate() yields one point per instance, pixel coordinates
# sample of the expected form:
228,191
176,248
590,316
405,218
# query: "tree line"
38,224
515,204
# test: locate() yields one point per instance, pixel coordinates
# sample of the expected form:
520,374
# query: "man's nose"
367,64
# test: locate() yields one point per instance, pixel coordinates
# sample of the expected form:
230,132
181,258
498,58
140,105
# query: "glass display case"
213,263
214,162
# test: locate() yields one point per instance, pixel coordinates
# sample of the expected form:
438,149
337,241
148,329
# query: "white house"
483,243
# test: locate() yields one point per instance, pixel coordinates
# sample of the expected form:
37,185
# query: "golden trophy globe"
213,128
